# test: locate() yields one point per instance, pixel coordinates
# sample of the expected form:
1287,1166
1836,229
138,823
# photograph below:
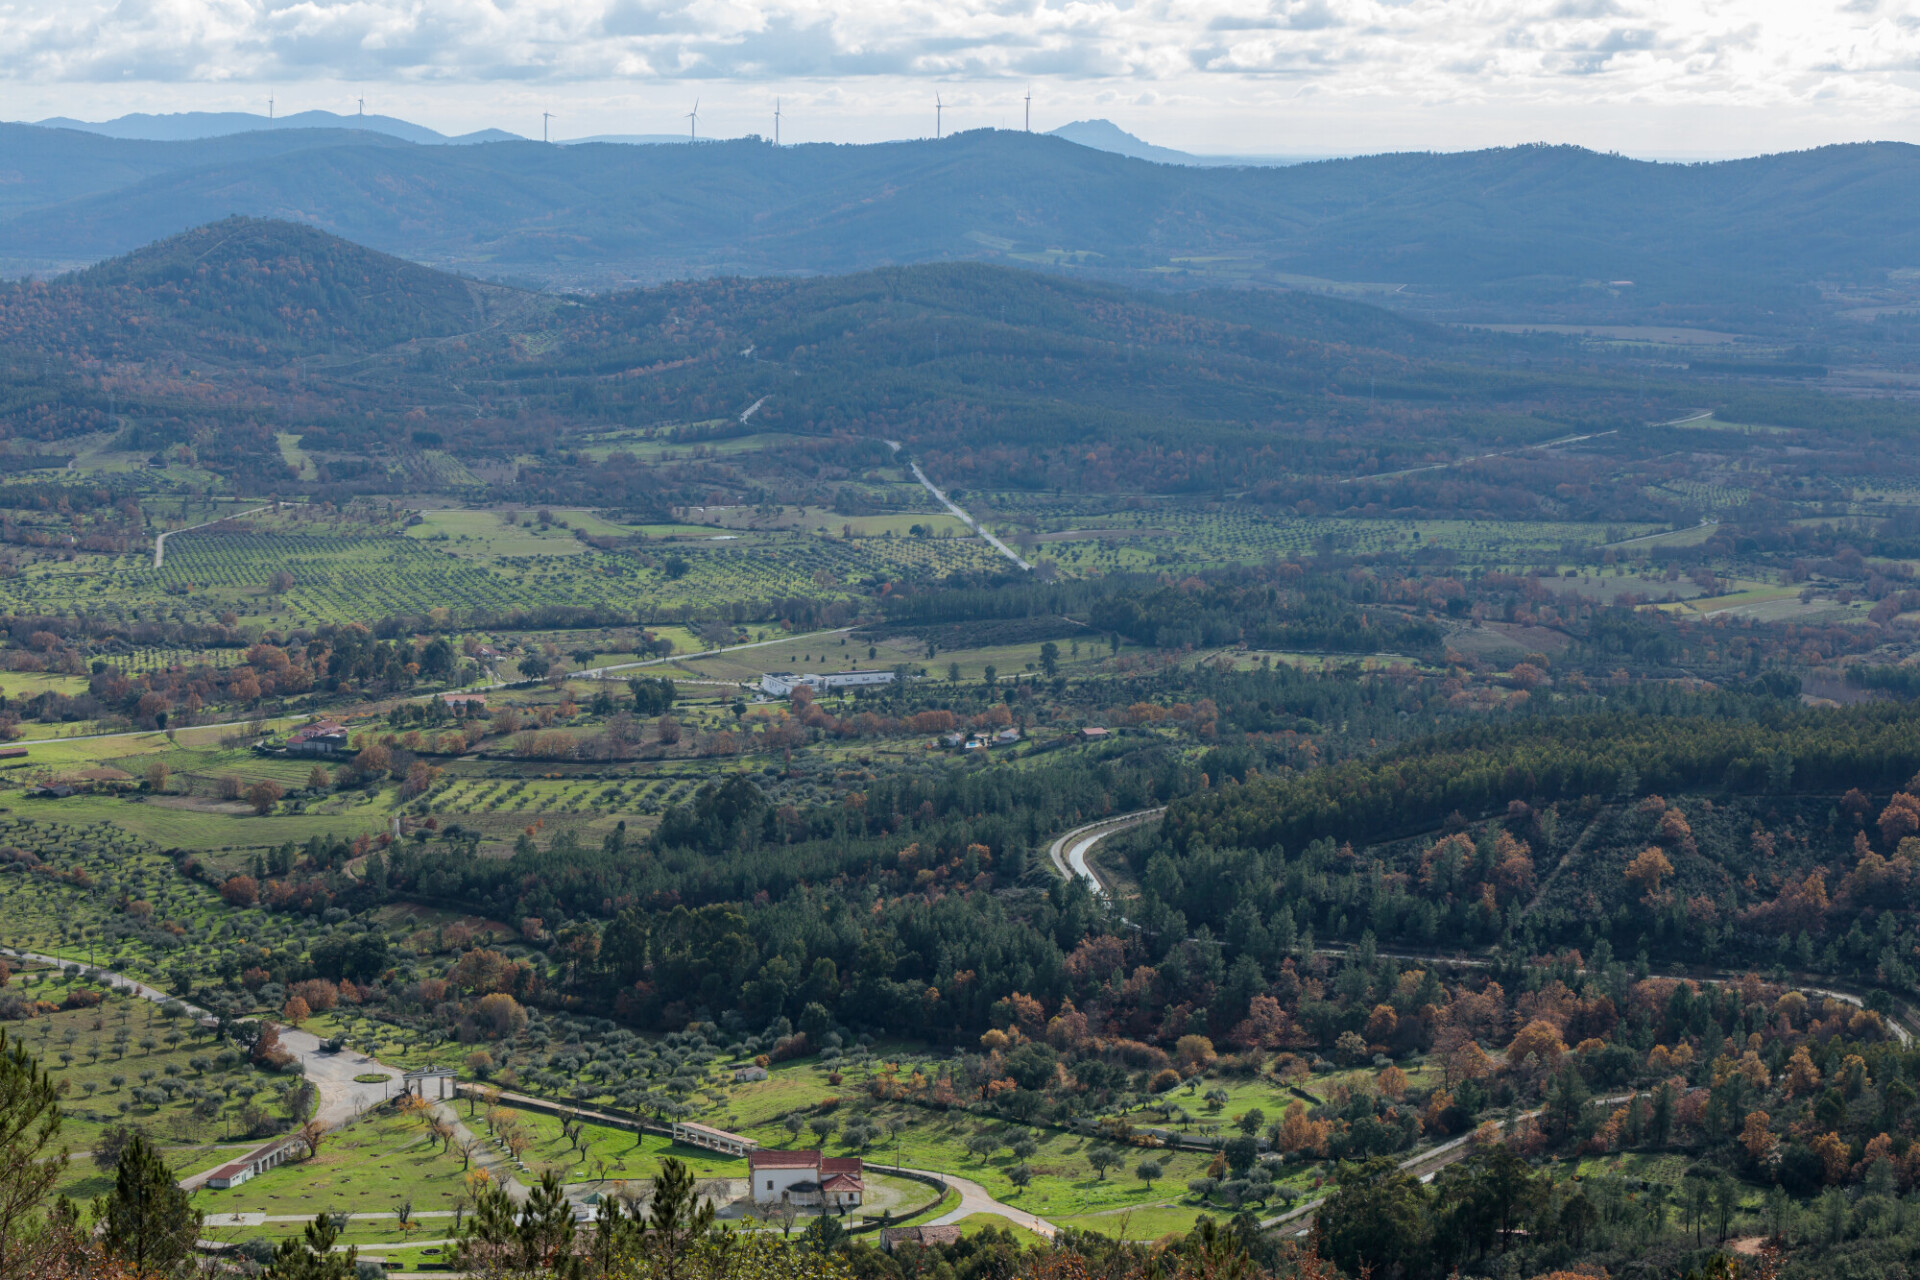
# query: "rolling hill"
1545,226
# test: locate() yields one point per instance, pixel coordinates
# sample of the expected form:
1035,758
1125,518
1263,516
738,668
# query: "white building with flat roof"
701,1135
781,684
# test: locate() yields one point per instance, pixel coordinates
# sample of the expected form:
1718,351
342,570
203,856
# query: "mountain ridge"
194,126
1546,227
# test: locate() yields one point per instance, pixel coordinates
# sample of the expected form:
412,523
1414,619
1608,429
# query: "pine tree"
312,1257
150,1223
29,1123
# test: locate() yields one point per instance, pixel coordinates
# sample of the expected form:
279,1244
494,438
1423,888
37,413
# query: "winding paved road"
1069,852
975,1198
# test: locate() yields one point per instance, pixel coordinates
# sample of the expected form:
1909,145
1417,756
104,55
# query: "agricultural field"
1081,539
128,1061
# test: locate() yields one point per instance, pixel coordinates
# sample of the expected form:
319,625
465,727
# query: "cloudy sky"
1672,78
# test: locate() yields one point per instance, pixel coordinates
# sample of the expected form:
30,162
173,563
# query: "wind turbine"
938,106
269,106
544,117
363,105
693,122
776,122
1029,110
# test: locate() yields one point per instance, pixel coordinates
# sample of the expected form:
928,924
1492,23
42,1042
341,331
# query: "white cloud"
1555,62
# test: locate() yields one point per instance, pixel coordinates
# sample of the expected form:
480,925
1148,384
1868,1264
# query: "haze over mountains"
186,126
1548,231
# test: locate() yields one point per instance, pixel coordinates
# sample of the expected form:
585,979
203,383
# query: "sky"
1656,78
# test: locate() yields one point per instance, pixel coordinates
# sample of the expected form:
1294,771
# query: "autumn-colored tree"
265,794
1194,1052
1833,1154
1392,1082
1879,1147
1512,867
1539,1038
1381,1024
267,1049
1675,832
240,891
1648,869
1802,1075
1026,1014
1757,1137
1265,1026
1900,819
500,1015
295,1010
1469,1062
1297,1133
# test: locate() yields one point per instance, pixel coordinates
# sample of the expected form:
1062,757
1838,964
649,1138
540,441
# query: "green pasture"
383,1160
483,534
294,456
28,684
210,828
1063,1181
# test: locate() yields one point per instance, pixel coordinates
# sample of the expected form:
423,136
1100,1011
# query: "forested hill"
990,374
1529,222
242,288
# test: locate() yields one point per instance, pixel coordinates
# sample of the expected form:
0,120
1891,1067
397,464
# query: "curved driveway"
341,1098
975,1198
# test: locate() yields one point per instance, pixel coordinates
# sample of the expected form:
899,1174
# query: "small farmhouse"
323,738
807,1178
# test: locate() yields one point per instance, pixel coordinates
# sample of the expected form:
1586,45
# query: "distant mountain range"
189,126
1105,135
1541,231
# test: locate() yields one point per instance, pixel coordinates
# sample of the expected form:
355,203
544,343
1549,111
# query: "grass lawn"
28,684
369,1167
1063,1182
974,1223
788,1087
194,828
1149,1223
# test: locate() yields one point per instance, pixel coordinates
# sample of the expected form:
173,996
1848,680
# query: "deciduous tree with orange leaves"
1648,869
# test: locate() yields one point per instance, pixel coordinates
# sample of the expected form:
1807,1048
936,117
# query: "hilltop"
243,288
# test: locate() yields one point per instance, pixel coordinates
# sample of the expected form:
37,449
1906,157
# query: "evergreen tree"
311,1257
29,1123
150,1223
